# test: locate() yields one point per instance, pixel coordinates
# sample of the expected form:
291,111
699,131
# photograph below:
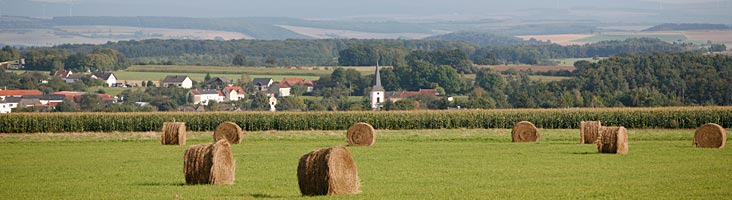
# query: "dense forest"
638,80
687,26
325,52
484,39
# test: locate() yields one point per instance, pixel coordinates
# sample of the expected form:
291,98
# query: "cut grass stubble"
406,164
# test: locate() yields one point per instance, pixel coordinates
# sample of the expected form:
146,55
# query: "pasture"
404,164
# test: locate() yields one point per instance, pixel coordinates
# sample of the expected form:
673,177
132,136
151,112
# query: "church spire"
377,86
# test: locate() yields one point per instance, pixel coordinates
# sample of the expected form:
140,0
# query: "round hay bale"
589,130
361,134
229,131
174,133
328,171
613,140
524,131
209,164
710,136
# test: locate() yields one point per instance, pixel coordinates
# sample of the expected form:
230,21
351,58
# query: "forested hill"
686,27
256,27
483,39
300,52
291,52
637,80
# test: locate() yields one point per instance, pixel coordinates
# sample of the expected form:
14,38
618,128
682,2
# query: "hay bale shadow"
266,196
160,184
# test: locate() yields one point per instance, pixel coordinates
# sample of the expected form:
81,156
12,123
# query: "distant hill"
250,26
484,39
686,27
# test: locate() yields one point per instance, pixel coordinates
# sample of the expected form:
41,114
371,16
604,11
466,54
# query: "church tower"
377,92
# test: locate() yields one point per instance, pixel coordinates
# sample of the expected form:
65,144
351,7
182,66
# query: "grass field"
290,71
570,61
157,76
532,77
416,164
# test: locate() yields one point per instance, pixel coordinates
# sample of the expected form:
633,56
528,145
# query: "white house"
177,81
63,74
74,78
107,77
5,107
204,96
284,89
234,93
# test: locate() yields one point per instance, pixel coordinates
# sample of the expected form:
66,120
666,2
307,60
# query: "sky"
315,9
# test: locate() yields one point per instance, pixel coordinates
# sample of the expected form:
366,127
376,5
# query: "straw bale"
710,136
174,133
613,140
209,164
330,171
524,131
589,131
229,131
361,134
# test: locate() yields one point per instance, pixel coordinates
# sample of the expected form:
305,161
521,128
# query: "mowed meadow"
403,164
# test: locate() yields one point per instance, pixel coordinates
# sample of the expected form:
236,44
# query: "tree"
260,102
207,77
239,60
9,53
91,102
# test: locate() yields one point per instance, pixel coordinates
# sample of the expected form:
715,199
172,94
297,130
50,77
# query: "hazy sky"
324,8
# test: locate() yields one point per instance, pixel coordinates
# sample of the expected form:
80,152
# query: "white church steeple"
377,92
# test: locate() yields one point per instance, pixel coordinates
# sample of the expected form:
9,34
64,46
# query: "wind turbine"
71,8
660,4
2,5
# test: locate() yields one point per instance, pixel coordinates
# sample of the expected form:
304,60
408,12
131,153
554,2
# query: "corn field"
674,117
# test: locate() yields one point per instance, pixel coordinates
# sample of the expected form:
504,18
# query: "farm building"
177,81
204,96
234,93
107,77
262,84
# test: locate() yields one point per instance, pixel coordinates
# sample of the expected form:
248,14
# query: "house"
234,93
399,95
308,84
108,99
197,108
177,81
18,93
219,81
285,86
74,78
262,84
5,107
13,64
47,99
107,77
205,96
284,89
63,74
12,101
70,95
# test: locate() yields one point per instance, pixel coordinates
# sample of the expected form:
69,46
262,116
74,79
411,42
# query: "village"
213,94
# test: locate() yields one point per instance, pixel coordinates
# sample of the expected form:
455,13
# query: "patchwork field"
103,34
321,33
413,164
695,36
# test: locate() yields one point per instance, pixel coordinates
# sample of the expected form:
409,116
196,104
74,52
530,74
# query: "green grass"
113,91
532,77
571,61
416,164
286,71
157,76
